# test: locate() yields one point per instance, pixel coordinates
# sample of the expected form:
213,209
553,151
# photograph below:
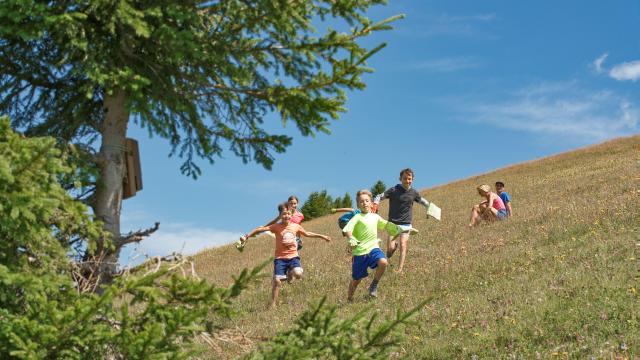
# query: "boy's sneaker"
373,289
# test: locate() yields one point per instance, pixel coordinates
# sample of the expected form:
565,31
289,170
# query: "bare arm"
490,199
259,229
508,206
334,210
310,234
273,221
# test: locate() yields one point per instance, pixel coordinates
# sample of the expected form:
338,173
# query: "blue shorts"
282,266
502,214
362,262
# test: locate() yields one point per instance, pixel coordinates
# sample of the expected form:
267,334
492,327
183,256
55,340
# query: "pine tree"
47,311
346,201
201,75
337,202
317,204
378,188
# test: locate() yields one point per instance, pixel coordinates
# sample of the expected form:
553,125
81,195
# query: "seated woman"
497,210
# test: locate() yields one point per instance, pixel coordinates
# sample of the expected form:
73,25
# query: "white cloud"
180,238
626,71
464,18
447,64
562,110
597,63
452,25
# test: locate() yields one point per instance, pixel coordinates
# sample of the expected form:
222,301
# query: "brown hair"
364,192
408,171
282,207
293,197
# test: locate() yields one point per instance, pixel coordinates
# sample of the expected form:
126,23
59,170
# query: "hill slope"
558,280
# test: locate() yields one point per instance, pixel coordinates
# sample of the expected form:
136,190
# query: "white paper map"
434,211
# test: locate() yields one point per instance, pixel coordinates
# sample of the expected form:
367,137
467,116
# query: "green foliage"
43,313
378,188
337,202
346,201
37,216
156,315
317,204
319,334
199,74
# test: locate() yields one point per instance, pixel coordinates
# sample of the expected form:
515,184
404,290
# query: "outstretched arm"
424,202
379,197
335,210
259,229
310,234
273,221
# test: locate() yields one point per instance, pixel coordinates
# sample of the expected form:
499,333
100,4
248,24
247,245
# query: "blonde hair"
484,188
364,192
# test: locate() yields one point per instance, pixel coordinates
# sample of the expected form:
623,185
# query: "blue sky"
462,88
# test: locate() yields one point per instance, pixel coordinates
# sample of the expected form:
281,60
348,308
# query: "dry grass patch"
558,280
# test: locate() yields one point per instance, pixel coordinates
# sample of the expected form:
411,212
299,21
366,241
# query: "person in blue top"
506,199
350,212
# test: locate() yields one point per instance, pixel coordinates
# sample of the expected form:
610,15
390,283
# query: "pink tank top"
498,204
297,217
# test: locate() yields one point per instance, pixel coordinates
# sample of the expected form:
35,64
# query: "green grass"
559,280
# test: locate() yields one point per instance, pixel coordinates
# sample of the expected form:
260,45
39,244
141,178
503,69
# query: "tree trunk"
108,196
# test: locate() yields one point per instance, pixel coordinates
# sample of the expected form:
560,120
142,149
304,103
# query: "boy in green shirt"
362,232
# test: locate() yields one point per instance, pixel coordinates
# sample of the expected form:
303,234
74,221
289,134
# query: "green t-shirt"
364,228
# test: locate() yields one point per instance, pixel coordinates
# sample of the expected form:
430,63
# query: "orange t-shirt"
286,246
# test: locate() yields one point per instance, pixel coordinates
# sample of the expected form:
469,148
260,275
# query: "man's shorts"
502,214
362,262
282,266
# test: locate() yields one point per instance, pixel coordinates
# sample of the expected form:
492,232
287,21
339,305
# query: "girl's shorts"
282,266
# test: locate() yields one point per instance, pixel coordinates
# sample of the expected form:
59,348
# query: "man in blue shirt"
506,199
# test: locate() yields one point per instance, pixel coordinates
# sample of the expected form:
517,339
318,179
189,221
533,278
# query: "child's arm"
424,202
273,221
391,228
334,210
348,231
492,197
509,210
310,234
380,197
259,229
384,195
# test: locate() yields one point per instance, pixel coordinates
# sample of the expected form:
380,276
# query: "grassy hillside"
559,280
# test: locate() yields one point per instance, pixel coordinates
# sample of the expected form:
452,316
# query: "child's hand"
327,239
333,210
243,238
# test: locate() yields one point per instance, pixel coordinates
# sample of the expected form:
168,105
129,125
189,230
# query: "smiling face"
285,216
406,179
293,204
499,188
